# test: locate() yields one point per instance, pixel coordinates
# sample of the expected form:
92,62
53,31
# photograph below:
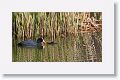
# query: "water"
83,48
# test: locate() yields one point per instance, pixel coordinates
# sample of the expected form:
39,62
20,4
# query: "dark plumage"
31,43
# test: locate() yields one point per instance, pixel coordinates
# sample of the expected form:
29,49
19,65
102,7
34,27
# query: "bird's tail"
20,44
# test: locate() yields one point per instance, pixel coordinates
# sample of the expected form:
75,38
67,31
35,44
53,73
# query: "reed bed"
29,25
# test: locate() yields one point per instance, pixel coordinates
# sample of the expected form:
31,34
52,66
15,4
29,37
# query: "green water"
69,49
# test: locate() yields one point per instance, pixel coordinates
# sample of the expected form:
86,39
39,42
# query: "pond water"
83,48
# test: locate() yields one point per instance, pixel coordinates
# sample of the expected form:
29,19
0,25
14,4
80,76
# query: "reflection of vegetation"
78,34
68,49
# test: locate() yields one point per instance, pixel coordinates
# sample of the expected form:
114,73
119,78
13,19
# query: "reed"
27,25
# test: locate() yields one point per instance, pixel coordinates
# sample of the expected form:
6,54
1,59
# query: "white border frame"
104,67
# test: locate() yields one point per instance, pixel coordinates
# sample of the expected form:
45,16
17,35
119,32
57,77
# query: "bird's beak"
44,42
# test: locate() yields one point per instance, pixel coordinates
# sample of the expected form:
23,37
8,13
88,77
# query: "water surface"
83,48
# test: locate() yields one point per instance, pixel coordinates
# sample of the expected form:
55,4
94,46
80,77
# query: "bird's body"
27,43
31,43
